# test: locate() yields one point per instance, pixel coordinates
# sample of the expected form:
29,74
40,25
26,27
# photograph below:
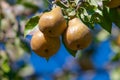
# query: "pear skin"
44,46
52,23
77,36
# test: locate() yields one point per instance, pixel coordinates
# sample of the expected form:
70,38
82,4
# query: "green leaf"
72,13
106,22
94,2
72,52
105,26
116,57
86,17
115,17
24,45
95,18
30,25
5,66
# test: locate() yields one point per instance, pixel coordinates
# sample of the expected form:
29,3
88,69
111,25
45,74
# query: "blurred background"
100,61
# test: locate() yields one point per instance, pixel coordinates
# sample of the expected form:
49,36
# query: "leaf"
25,45
30,25
5,67
86,17
106,26
72,13
72,52
116,57
115,17
95,18
106,22
94,2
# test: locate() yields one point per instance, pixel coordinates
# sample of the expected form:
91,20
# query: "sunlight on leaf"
5,66
31,24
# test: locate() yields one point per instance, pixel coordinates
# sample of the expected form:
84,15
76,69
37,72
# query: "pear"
77,36
52,23
114,3
44,46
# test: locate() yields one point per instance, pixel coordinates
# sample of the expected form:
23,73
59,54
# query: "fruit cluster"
46,41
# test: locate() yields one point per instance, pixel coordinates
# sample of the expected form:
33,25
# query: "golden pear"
77,35
114,3
52,23
44,46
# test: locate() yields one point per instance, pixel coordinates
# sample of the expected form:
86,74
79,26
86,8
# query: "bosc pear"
52,23
77,36
44,46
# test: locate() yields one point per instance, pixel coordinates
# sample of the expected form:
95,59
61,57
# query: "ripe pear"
52,23
114,3
44,46
77,36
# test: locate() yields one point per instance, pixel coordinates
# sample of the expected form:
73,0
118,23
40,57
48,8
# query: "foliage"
89,11
16,20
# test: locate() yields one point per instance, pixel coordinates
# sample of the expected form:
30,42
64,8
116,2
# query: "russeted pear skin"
77,36
44,46
114,3
52,23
